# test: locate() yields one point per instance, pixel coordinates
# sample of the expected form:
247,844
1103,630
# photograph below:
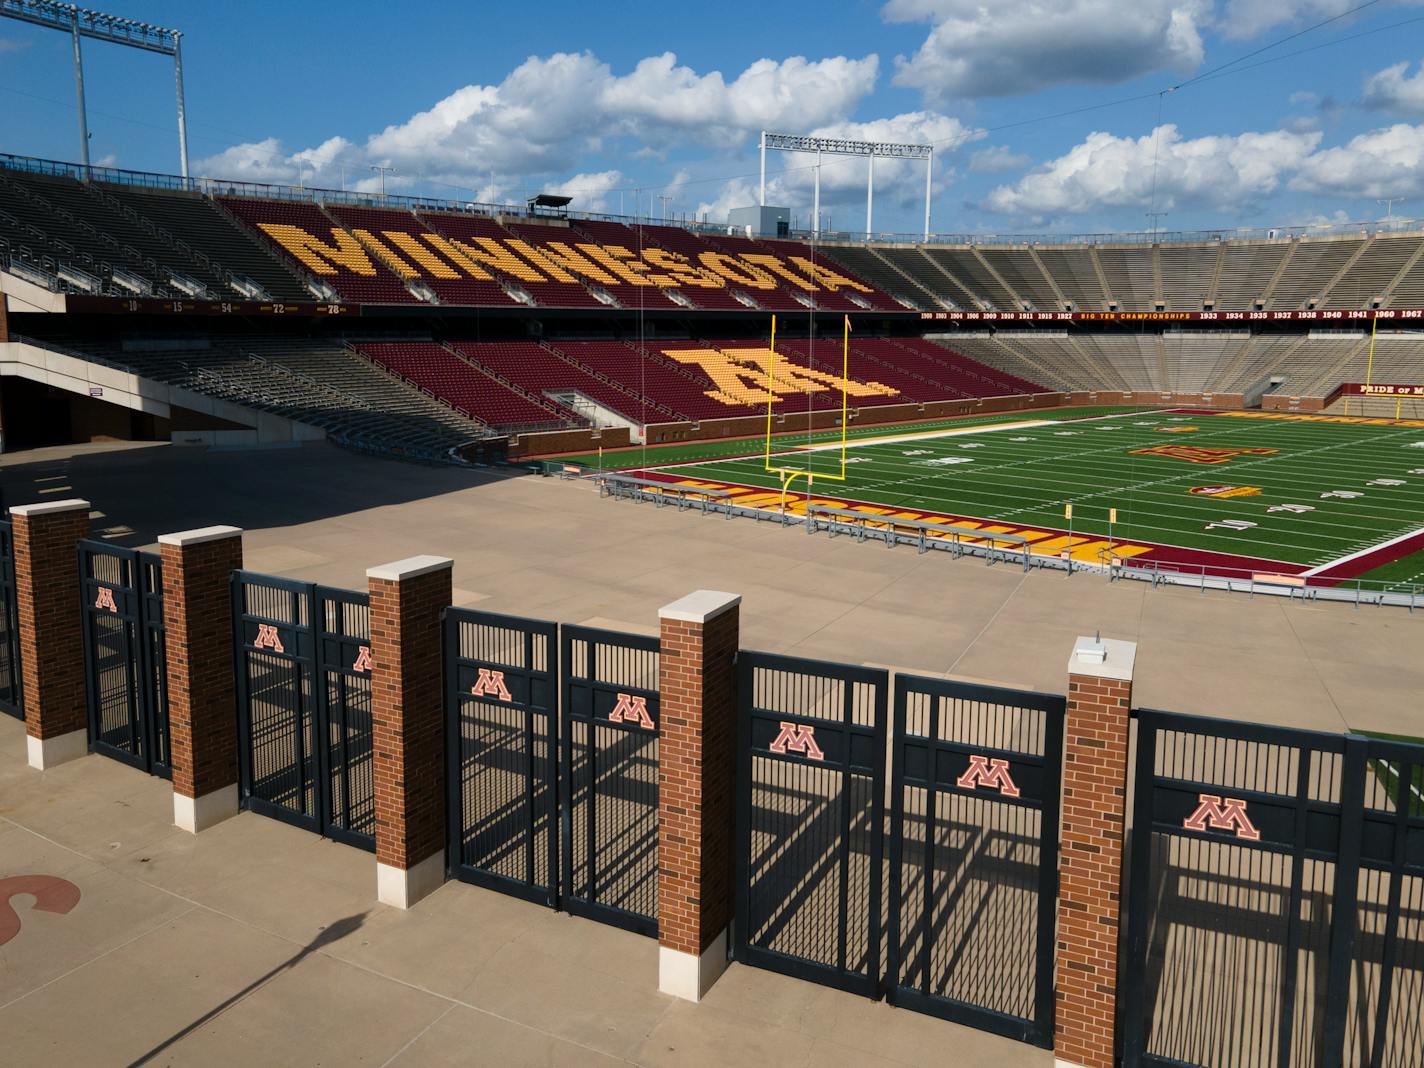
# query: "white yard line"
1363,552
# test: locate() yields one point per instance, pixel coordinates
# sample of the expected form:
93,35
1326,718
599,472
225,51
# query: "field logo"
1225,491
1220,814
1177,429
491,684
1202,454
799,738
106,599
268,638
986,772
363,659
51,894
630,709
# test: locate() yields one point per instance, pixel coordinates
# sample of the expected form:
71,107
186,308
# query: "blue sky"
621,104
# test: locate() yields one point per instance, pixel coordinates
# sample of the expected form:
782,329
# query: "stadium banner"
1377,389
1176,316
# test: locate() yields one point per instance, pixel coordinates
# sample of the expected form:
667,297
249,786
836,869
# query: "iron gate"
501,715
125,668
1276,909
11,697
810,819
609,772
974,854
304,705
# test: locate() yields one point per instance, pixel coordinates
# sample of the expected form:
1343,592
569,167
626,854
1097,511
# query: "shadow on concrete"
330,935
144,489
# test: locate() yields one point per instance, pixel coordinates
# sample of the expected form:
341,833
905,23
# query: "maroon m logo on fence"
268,638
631,709
363,659
1222,814
491,684
106,599
799,738
993,773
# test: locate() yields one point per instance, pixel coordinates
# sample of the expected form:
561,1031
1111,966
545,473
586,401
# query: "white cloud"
1021,46
1391,90
1243,19
1109,172
1381,163
552,112
997,159
590,191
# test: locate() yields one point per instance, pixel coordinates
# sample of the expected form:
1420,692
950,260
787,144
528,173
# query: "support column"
408,726
202,706
1090,860
4,318
51,635
700,635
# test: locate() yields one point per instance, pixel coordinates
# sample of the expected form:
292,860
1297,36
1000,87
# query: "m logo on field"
799,738
491,684
1228,814
268,638
993,773
363,659
1202,454
106,599
631,709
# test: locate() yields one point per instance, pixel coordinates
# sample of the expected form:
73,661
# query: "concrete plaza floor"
259,943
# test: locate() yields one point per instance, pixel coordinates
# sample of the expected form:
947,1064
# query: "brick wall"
696,753
202,705
407,716
1090,868
51,638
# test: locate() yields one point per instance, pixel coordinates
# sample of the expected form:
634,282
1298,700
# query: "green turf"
1025,476
1405,573
687,451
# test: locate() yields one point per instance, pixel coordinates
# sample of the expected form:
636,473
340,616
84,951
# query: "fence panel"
121,600
303,687
974,854
501,677
609,771
1276,877
810,819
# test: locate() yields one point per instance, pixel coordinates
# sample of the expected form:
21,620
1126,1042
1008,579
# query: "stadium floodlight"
838,146
80,22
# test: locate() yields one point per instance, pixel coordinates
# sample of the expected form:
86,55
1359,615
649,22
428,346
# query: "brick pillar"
408,726
697,765
202,705
1090,860
51,629
4,318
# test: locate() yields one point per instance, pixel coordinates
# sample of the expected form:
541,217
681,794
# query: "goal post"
788,475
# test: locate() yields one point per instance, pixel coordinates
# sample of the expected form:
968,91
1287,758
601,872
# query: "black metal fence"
1276,910
610,776
304,705
974,854
11,679
125,665
501,677
810,819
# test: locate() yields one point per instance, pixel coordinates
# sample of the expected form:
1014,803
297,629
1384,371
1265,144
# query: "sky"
1047,116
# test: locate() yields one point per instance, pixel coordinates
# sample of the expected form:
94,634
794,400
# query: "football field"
1228,491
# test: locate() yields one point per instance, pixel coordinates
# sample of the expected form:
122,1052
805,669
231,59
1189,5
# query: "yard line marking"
1365,552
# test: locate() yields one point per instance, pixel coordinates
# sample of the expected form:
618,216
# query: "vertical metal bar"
869,197
79,94
239,663
742,783
881,684
1134,1011
848,719
897,834
182,111
929,184
591,746
931,818
1049,816
528,714
90,653
1286,1030
553,666
1404,780
816,207
454,743
1344,912
762,201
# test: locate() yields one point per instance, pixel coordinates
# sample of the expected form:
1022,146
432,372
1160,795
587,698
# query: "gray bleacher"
1312,267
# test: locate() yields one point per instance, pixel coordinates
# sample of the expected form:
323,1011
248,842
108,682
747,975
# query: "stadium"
677,611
